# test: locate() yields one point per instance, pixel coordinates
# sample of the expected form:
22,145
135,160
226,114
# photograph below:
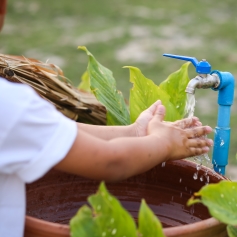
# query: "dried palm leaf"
50,83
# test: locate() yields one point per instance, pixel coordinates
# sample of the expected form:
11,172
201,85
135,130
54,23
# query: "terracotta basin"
54,199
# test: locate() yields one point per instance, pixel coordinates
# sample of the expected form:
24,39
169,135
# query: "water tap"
224,83
204,79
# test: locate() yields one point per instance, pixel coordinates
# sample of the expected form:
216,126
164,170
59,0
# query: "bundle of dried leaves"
50,83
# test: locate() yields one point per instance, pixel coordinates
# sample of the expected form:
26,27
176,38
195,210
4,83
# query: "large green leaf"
220,199
149,225
232,231
107,218
103,85
144,93
175,86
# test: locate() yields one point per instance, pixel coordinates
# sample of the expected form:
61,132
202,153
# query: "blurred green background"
129,32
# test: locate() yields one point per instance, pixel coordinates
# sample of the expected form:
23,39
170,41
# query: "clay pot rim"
63,229
191,228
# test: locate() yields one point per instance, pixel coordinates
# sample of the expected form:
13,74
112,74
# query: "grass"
128,32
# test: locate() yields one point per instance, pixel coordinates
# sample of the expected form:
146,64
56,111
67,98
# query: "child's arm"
137,129
123,157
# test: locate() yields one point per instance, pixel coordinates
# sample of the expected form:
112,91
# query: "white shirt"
34,137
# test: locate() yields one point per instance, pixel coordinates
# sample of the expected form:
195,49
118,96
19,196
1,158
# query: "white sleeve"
34,135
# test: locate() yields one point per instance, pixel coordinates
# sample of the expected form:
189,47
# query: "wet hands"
144,118
180,139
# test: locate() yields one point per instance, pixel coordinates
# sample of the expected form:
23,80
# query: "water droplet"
198,167
208,179
222,143
201,178
113,231
163,164
195,176
180,180
181,194
192,210
222,195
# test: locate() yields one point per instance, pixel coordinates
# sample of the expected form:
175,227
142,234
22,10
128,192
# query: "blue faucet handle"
202,67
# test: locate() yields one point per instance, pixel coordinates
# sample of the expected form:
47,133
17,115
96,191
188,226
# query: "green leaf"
149,225
103,86
83,225
175,86
220,199
85,82
107,218
144,93
232,231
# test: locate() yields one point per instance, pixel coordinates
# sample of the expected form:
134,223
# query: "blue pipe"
222,130
225,100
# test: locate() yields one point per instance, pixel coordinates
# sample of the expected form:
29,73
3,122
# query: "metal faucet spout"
203,81
192,85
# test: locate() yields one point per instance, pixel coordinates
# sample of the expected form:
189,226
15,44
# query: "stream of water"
203,159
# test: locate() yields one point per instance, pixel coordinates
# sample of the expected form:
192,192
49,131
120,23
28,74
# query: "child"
36,137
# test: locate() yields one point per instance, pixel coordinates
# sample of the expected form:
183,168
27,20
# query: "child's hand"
180,139
145,117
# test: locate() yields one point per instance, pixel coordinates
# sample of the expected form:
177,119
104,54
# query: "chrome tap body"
203,81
